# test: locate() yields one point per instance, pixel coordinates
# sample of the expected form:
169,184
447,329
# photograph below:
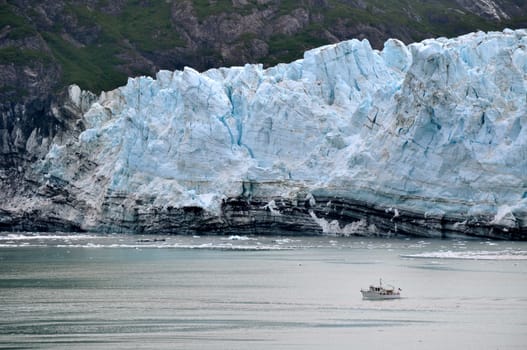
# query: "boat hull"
367,295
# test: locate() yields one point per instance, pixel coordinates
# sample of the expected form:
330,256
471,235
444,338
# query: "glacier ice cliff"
428,139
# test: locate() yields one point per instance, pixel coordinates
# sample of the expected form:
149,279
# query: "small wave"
11,237
471,255
238,238
233,247
205,246
232,243
284,241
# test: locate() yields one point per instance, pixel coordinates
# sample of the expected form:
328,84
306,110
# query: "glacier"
428,139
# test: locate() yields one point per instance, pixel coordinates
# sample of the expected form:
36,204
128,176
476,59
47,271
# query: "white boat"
381,292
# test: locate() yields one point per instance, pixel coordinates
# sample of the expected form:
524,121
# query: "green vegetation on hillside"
206,8
96,66
14,27
148,28
17,27
283,48
92,67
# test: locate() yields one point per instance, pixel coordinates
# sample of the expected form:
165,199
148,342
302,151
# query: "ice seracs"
434,131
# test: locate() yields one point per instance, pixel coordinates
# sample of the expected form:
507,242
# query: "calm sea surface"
64,291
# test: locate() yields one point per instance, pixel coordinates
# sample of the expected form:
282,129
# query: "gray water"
65,291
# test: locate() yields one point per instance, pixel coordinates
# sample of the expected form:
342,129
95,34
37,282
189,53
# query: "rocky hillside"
97,44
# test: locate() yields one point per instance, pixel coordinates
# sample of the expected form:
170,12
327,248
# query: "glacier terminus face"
427,139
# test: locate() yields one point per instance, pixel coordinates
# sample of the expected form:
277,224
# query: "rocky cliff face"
427,139
28,131
98,44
